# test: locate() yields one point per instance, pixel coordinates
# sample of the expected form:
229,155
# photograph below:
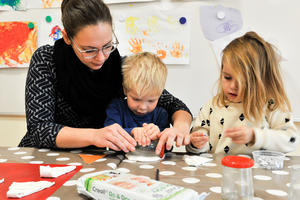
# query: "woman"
70,84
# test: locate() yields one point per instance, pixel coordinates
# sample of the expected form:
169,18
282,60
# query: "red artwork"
18,41
25,172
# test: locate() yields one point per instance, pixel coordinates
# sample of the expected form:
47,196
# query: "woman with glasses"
69,85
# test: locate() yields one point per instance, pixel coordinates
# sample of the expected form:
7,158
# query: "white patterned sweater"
277,132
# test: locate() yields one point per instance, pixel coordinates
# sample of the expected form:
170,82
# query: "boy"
144,78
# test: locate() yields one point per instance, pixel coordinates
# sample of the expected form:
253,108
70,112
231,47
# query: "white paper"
43,3
196,160
219,21
49,32
53,172
124,1
156,31
21,189
2,180
13,5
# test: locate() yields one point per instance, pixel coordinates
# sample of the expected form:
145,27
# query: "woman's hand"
241,135
151,130
140,136
114,137
168,136
199,139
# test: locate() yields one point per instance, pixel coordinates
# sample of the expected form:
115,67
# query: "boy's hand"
199,139
241,135
140,136
151,130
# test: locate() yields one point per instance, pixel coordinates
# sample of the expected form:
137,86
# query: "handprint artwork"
136,45
158,32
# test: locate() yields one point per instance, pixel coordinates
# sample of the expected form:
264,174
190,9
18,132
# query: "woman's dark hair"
76,14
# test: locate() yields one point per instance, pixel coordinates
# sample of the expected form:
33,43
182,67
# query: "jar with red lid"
237,183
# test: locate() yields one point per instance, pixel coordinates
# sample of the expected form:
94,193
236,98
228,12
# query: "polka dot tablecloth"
268,184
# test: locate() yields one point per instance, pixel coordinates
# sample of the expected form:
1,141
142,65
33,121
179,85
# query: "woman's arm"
181,119
40,101
113,136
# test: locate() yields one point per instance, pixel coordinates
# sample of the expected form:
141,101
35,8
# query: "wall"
277,20
193,83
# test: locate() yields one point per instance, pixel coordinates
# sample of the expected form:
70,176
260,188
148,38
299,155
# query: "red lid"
237,162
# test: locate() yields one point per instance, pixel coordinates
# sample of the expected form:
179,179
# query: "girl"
251,110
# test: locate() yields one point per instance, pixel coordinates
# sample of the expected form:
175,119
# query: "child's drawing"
17,44
44,3
12,5
124,1
49,32
219,21
154,31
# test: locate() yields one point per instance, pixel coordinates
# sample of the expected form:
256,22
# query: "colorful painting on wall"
50,29
12,4
18,41
44,3
124,1
164,33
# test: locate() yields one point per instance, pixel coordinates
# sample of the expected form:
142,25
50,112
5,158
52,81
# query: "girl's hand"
140,136
151,130
199,139
241,135
113,137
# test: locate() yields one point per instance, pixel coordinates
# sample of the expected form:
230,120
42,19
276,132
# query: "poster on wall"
164,33
18,41
219,21
44,3
124,1
57,3
50,29
12,4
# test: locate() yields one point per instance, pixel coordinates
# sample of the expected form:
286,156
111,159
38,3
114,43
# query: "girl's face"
92,37
230,84
141,105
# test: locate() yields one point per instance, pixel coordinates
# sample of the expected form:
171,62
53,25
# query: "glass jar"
237,183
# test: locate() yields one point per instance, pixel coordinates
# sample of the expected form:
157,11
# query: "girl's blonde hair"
144,73
256,68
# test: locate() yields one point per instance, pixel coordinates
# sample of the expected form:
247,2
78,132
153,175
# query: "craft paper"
17,44
49,32
44,3
219,21
196,160
53,172
25,172
159,32
21,189
12,4
90,158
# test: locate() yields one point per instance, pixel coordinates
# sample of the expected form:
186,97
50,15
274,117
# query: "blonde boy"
144,78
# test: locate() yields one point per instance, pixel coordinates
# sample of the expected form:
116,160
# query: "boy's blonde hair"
256,68
144,73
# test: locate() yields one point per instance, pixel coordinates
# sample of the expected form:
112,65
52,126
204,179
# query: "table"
173,169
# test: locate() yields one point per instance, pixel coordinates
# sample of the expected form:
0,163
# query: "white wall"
12,130
277,20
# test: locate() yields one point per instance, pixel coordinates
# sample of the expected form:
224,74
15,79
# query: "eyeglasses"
106,50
